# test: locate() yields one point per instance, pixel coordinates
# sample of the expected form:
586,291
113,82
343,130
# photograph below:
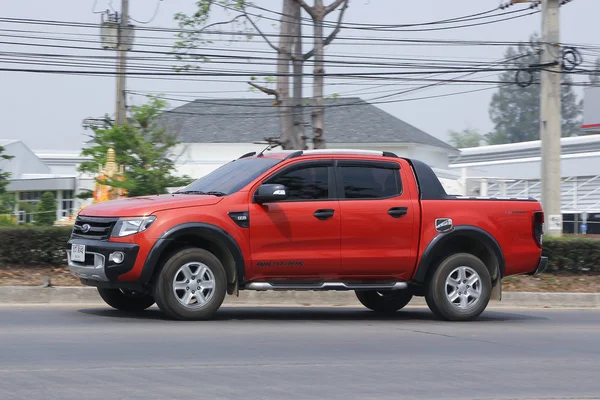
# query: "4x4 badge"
443,224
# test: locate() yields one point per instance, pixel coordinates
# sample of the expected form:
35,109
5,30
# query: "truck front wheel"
126,300
384,301
191,285
459,289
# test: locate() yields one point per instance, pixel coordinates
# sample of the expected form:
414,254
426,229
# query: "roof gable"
347,120
24,161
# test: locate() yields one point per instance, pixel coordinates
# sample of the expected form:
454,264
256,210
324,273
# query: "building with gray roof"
214,131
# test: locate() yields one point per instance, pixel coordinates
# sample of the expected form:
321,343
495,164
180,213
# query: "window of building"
32,197
305,183
29,201
368,182
67,203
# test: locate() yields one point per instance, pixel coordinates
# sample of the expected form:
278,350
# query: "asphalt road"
97,353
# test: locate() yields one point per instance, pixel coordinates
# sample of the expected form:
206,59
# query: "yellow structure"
103,192
110,171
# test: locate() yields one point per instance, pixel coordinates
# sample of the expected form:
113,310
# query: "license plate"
78,252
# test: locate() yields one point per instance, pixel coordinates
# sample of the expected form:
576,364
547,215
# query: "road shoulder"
67,295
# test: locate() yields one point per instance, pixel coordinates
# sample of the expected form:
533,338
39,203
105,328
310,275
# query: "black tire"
126,300
168,301
436,290
387,301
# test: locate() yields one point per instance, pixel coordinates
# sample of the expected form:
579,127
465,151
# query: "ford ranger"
371,222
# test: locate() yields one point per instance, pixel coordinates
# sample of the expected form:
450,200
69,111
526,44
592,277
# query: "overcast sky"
46,111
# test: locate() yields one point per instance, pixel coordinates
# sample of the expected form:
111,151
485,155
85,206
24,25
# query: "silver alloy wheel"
194,284
463,288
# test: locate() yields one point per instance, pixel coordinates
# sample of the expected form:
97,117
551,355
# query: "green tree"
466,138
46,210
142,147
515,110
7,203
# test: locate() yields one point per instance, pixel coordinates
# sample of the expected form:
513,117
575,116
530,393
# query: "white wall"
435,157
591,106
24,161
530,168
198,159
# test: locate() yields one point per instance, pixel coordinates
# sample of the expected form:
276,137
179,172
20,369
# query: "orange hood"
146,205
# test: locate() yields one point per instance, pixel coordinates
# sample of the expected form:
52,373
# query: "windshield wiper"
210,193
216,193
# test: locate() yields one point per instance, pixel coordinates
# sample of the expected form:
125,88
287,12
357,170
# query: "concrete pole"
122,64
550,117
483,188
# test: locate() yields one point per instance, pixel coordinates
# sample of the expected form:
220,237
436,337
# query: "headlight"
129,226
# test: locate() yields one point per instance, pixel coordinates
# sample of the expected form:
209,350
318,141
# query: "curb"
65,295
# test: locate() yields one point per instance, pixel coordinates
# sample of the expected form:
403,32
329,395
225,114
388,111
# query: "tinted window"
370,182
233,176
309,183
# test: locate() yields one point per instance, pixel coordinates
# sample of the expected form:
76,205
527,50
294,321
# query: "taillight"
538,227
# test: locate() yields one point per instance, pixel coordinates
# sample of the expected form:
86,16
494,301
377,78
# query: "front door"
298,237
379,220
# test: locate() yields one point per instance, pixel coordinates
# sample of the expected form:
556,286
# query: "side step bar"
326,286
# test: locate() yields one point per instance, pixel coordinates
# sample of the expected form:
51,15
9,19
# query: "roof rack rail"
295,154
341,151
248,155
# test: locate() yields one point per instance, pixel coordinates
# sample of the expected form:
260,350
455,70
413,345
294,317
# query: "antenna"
269,147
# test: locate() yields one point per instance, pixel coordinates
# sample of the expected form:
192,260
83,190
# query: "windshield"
231,177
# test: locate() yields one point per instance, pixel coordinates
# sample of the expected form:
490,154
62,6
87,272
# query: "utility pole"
550,113
122,48
551,117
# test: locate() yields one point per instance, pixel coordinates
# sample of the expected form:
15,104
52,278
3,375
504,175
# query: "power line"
94,8
394,28
263,74
354,25
273,35
274,112
237,50
157,8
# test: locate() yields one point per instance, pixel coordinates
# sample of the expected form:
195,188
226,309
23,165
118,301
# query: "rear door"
298,237
380,230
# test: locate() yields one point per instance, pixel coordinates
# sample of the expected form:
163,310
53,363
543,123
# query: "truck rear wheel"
191,285
459,289
126,300
387,301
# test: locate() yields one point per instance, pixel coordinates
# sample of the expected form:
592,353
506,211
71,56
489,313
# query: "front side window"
368,182
231,177
305,183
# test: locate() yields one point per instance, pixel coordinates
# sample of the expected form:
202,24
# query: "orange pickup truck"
372,222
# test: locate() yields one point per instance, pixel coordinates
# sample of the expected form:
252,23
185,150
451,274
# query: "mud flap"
497,291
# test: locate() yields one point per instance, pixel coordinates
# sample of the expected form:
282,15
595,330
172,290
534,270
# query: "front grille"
99,228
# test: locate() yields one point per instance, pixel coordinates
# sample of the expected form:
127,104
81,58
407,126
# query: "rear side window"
370,182
307,183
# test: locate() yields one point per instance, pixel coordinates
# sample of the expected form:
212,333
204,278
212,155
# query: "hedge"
33,245
572,255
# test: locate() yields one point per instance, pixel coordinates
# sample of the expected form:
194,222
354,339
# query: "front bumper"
542,265
97,267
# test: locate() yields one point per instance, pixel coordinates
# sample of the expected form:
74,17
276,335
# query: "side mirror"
269,193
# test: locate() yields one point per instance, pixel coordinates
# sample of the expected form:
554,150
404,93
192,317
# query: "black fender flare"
206,231
472,232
